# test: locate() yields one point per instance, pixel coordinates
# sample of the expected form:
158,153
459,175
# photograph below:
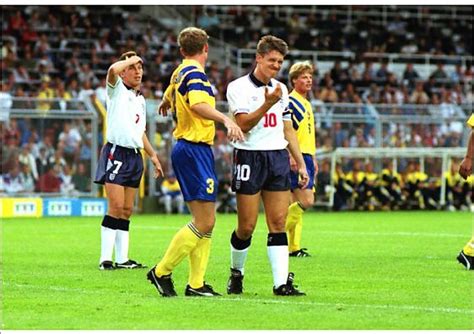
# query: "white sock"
278,256
237,258
121,246
107,239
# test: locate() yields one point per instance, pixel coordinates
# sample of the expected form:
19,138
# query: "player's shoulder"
239,85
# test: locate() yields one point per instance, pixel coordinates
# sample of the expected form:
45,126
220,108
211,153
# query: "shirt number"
270,121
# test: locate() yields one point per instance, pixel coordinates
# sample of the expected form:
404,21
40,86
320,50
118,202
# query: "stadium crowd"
63,52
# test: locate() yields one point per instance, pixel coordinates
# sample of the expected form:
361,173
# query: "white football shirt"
245,95
126,116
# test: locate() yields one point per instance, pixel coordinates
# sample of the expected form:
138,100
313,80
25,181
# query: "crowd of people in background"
62,53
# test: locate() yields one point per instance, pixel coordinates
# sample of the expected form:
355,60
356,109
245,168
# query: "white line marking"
261,300
395,233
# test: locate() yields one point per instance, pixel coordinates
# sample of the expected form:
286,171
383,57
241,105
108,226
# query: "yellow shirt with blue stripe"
303,122
470,121
189,85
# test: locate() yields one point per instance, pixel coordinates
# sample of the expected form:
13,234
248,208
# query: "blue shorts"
119,165
308,160
260,170
193,164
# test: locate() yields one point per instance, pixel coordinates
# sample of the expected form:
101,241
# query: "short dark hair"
127,55
270,43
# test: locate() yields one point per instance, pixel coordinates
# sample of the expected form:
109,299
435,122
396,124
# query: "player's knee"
127,212
245,232
115,209
307,202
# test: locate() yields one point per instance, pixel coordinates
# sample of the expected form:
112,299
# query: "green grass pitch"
378,270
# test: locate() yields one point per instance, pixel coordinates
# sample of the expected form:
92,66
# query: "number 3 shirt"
245,95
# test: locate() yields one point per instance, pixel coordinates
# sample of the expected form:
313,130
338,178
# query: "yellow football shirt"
303,122
189,85
470,121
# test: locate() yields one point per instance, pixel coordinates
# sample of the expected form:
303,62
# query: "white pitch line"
265,301
400,234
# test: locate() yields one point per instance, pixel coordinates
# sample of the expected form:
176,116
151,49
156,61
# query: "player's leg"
203,213
466,256
193,165
276,209
304,199
122,239
111,223
241,238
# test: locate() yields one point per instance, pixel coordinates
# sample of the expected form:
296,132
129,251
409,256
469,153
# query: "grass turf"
378,270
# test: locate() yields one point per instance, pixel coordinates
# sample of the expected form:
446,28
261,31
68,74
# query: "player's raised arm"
247,121
116,68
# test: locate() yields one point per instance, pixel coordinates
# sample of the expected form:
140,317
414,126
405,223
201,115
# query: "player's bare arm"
247,121
294,149
206,111
153,157
465,168
116,68
165,104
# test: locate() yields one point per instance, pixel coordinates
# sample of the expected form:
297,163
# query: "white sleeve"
237,100
112,90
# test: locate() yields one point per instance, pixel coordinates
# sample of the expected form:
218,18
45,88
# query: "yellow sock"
182,244
198,260
295,214
296,243
469,248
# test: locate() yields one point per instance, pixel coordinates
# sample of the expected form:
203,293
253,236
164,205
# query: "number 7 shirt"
245,95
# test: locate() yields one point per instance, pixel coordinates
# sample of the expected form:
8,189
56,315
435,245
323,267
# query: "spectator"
45,95
419,96
410,75
439,73
49,182
70,141
26,158
171,195
63,97
12,181
67,185
80,179
26,178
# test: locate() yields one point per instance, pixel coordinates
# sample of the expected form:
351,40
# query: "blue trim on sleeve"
201,87
298,104
183,87
295,112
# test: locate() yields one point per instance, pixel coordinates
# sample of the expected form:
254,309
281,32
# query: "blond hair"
299,68
192,40
270,43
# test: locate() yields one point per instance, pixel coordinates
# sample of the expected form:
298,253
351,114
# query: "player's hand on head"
135,59
274,96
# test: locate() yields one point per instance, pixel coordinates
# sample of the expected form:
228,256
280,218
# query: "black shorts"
260,170
119,165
